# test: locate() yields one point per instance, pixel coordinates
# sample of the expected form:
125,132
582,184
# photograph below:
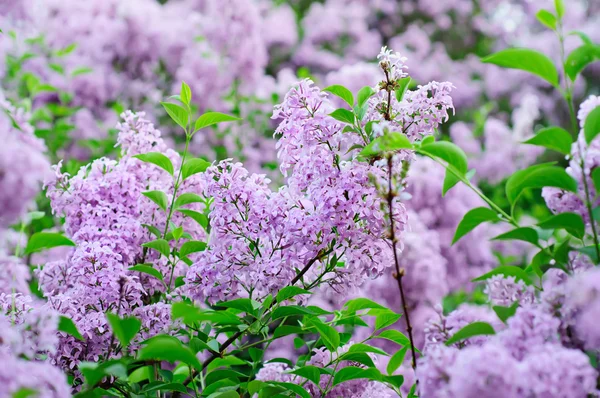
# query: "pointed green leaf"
579,58
46,240
341,92
158,159
167,348
160,245
546,18
471,330
178,113
194,166
538,176
403,83
525,234
187,198
124,329
363,95
193,246
448,152
329,336
506,312
211,118
571,222
158,197
472,219
591,126
528,60
68,326
396,360
389,142
353,373
343,115
288,292
555,138
308,372
186,93
395,336
196,216
147,269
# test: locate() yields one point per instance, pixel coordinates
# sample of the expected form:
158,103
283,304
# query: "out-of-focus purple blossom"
504,291
23,165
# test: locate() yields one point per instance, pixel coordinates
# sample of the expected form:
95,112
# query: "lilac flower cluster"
105,213
511,363
259,238
27,336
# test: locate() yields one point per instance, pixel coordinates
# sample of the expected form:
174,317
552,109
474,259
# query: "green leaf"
293,388
187,198
124,329
211,118
395,336
158,197
81,71
365,348
311,373
186,93
158,159
68,326
168,387
353,373
25,393
538,176
571,222
546,18
160,245
396,360
525,59
67,50
242,304
194,166
448,152
472,219
385,319
178,113
360,303
389,142
506,312
559,5
193,246
359,357
596,179
329,336
363,95
341,92
343,115
579,58
525,234
450,180
591,127
584,38
471,330
506,270
555,138
146,269
167,348
46,240
288,292
403,85
196,216
290,310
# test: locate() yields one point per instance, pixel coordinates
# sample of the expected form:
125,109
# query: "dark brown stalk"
399,271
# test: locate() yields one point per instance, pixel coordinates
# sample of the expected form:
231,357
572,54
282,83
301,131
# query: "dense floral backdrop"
264,198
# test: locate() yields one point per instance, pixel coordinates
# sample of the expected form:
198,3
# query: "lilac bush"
265,199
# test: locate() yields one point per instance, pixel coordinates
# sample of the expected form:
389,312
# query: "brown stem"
399,271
